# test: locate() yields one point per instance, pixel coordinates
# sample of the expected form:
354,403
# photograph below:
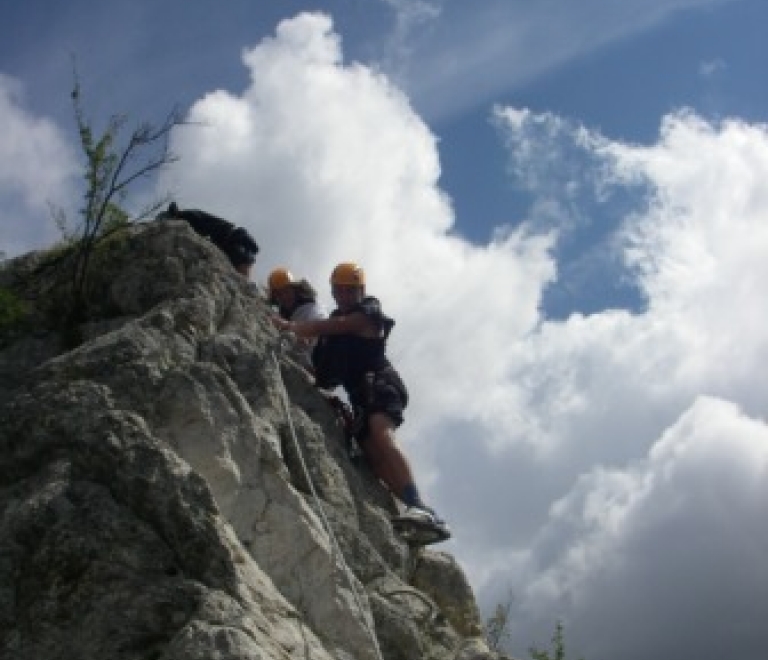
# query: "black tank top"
345,359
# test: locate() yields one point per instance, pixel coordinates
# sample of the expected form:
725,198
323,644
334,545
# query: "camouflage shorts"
384,392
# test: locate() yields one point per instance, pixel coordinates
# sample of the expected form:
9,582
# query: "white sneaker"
419,514
420,526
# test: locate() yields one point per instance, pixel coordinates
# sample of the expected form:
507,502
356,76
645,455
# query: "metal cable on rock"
326,523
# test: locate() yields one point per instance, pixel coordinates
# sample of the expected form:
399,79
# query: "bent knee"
381,428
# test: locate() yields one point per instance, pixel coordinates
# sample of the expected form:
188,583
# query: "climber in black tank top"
351,352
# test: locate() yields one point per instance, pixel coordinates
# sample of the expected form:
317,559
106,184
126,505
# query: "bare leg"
385,456
391,467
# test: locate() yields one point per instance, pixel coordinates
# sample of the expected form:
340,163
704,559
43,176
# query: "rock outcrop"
157,502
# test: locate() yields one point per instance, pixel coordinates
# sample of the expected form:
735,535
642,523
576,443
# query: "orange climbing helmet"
348,274
279,279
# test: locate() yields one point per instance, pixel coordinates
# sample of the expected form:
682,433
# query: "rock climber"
351,352
296,300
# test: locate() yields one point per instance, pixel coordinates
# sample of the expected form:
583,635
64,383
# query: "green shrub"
558,646
13,315
113,165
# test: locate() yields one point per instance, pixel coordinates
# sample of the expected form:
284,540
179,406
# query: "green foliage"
558,646
497,626
13,313
112,167
497,634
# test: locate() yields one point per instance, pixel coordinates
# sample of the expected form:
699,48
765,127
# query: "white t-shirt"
307,312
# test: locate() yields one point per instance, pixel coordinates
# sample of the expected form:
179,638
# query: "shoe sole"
417,532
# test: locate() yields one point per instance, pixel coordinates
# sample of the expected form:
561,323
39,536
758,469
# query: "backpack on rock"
233,241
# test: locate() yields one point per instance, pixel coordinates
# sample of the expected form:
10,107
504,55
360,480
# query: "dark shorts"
386,394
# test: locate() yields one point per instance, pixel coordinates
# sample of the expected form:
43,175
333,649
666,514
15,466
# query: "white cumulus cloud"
665,558
650,424
551,446
37,168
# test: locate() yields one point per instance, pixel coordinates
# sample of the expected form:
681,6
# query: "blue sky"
565,207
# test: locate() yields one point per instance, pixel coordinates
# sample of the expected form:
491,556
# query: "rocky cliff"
175,488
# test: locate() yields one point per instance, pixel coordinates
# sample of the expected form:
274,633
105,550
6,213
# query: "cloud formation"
457,62
581,460
662,558
608,469
37,167
657,419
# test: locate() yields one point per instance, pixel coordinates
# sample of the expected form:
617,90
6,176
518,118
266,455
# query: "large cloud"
609,469
655,552
553,447
664,559
327,162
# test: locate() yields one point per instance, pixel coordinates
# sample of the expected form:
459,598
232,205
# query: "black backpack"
234,241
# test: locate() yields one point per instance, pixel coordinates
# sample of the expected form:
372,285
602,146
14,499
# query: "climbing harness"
352,422
281,343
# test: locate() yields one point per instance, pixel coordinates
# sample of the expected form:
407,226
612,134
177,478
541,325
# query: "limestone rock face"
158,501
